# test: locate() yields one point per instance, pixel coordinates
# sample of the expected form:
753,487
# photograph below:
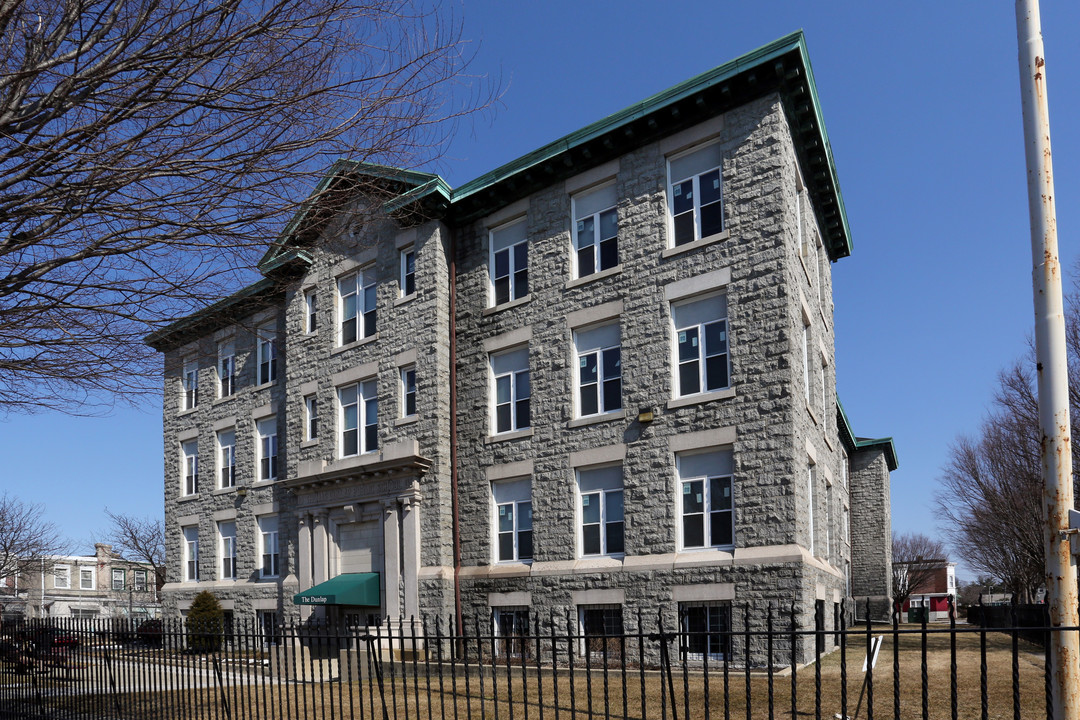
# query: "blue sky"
921,101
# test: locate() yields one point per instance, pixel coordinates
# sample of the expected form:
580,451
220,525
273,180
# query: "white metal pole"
1052,366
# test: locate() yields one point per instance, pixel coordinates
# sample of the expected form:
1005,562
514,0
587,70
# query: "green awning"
345,589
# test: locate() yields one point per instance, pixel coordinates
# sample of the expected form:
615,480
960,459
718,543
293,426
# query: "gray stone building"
596,380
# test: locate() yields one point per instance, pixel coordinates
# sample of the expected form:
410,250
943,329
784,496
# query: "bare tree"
915,560
992,504
149,149
27,539
139,540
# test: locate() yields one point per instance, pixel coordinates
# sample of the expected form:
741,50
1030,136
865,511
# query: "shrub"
205,623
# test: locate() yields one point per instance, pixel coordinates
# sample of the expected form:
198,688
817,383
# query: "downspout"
453,430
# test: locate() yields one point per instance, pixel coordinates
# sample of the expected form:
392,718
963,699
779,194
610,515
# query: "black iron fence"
714,661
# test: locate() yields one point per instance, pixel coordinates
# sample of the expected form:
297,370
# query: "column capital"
412,500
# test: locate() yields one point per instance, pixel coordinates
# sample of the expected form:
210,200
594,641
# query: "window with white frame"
800,200
513,520
806,359
596,231
311,417
408,272
86,578
311,311
701,345
268,448
226,369
696,194
118,580
824,388
227,550
359,419
140,580
191,553
511,632
509,263
828,519
189,458
706,509
706,628
269,564
845,522
267,355
226,440
62,577
356,305
408,391
601,510
601,630
599,370
191,384
510,372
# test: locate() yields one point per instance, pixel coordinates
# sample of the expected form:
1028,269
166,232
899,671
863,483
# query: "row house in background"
597,380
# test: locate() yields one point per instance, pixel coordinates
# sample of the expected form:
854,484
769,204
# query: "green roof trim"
345,589
250,295
856,443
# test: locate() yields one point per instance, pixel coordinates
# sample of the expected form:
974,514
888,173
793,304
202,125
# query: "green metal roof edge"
259,287
856,443
435,186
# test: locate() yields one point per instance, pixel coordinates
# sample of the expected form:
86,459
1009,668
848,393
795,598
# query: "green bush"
205,623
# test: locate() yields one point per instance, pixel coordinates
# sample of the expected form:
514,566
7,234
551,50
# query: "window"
513,520
509,263
311,417
268,546
828,519
190,452
602,628
359,418
357,305
706,628
599,370
512,392
117,579
227,547
408,272
191,384
226,459
191,554
86,578
806,359
62,577
268,625
824,389
596,231
701,346
311,311
512,632
140,580
226,367
697,208
601,492
268,448
408,391
267,351
704,498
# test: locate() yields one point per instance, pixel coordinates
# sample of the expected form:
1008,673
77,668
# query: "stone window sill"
508,305
594,419
404,300
696,245
700,398
223,400
309,443
406,420
506,436
355,344
188,498
578,282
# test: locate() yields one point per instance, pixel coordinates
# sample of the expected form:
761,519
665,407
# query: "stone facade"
502,453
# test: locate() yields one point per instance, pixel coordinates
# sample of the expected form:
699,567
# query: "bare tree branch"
149,150
139,540
27,540
915,560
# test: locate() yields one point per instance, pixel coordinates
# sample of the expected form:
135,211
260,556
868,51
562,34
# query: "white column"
391,558
303,551
319,549
410,554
